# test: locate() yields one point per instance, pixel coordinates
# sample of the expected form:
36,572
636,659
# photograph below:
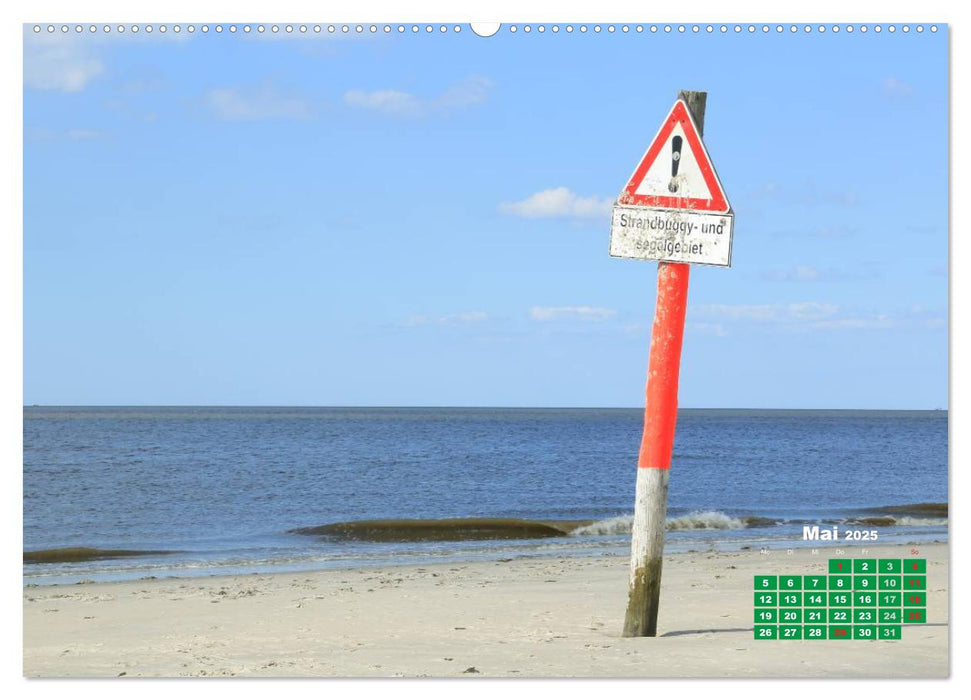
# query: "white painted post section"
650,520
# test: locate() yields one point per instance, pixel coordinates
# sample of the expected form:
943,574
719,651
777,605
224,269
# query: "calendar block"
915,582
840,616
889,583
840,583
890,616
915,566
814,615
814,599
814,632
840,566
766,632
915,616
814,583
766,583
864,566
766,600
888,631
890,600
840,600
915,600
764,616
889,566
860,599
840,632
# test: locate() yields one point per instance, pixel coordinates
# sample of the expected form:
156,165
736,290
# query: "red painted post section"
664,365
657,443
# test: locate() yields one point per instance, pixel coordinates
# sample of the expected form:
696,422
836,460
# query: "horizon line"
438,406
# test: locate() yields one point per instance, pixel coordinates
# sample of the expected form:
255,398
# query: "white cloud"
813,196
583,313
56,62
808,310
894,87
808,273
767,313
69,62
738,312
84,134
836,231
558,202
807,194
460,318
879,321
714,329
799,273
260,102
151,82
805,316
387,101
468,93
805,272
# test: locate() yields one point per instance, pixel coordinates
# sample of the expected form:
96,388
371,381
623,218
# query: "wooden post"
657,442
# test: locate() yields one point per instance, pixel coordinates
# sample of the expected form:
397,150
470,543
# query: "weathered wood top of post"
696,102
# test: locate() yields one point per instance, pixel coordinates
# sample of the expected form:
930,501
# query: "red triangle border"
718,203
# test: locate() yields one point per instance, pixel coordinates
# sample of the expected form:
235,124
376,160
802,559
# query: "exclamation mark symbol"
675,160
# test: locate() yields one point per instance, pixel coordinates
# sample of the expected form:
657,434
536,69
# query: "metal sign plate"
681,236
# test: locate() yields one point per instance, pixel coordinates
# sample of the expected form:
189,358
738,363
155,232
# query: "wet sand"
520,618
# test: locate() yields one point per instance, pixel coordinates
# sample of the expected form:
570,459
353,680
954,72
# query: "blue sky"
423,220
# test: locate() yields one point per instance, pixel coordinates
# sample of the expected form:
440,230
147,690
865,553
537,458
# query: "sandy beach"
521,618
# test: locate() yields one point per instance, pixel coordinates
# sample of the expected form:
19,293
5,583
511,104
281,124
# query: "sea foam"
701,520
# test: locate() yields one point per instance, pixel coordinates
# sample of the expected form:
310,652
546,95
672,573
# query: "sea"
123,493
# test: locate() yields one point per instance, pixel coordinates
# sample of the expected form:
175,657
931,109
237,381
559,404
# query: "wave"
915,509
707,520
445,530
716,520
62,555
921,521
700,520
901,521
620,525
468,529
465,529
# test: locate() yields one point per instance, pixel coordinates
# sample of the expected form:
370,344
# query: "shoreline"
509,550
530,617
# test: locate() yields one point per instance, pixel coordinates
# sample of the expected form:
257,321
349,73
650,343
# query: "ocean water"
220,488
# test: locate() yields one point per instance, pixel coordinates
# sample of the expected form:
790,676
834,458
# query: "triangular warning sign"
676,172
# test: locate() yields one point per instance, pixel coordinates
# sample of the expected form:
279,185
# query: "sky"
230,219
